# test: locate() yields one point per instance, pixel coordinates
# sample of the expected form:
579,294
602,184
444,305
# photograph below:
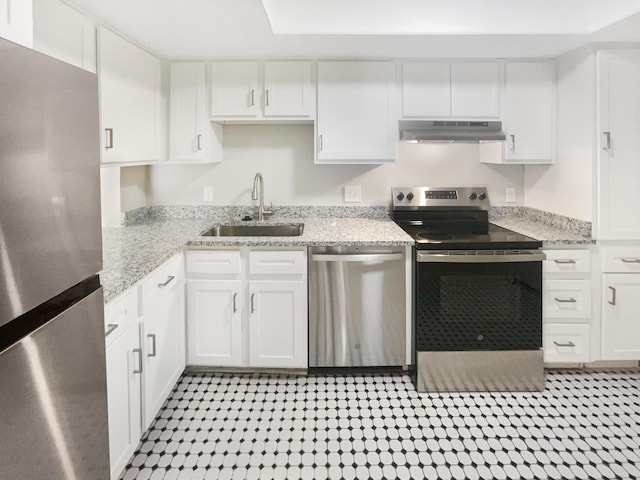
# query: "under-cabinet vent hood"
434,131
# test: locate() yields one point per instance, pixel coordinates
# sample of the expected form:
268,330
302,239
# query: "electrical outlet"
208,194
353,193
510,195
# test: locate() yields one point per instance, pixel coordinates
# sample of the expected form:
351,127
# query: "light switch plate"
352,193
510,195
208,194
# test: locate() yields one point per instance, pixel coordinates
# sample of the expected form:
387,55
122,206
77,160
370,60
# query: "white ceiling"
198,29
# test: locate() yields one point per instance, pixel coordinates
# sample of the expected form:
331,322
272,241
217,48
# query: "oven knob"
400,196
482,196
473,196
409,196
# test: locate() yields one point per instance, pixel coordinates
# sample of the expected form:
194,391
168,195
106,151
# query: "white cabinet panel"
475,89
65,34
566,299
16,21
567,261
426,89
288,89
566,343
620,316
234,89
215,322
278,324
621,259
215,262
529,111
618,144
129,100
356,104
277,262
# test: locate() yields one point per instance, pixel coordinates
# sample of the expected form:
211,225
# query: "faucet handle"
268,212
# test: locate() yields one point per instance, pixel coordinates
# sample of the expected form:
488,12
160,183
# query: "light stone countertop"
130,253
550,236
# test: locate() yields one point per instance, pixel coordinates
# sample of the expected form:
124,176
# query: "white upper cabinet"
618,218
451,90
129,79
16,21
528,118
357,122
261,91
64,33
192,137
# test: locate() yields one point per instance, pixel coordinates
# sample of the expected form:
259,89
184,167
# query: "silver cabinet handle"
110,329
139,352
513,142
565,300
564,260
266,98
108,142
568,344
320,143
606,140
235,305
613,296
252,97
252,303
153,353
630,260
199,142
169,280
359,257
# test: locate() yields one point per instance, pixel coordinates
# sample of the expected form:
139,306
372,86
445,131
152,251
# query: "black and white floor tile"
585,425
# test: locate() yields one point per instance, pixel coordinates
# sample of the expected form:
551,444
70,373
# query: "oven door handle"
356,257
424,257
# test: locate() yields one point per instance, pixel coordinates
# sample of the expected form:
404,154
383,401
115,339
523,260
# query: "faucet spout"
258,184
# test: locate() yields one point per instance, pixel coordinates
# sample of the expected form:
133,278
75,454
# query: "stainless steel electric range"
477,294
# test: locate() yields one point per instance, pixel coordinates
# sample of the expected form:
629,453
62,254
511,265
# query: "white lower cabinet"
566,306
267,327
144,329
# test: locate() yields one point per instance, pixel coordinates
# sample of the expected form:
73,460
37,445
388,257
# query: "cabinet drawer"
163,280
566,343
224,262
119,314
566,298
277,262
567,261
621,259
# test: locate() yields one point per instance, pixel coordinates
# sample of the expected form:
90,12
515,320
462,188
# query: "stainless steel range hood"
449,131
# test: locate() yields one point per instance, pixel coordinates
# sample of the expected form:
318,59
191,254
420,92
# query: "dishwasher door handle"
356,257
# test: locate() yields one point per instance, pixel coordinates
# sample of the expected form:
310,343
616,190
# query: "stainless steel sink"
289,230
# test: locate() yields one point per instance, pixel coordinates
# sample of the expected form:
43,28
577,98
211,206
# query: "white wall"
567,187
284,156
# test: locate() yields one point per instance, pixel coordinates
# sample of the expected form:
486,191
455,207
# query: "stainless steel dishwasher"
357,307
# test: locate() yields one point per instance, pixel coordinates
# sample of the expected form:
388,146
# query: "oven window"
485,306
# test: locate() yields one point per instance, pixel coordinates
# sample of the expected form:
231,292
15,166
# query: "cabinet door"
124,394
278,324
288,89
475,90
163,348
356,101
426,89
619,144
621,316
63,33
16,21
234,89
529,111
214,322
187,112
129,97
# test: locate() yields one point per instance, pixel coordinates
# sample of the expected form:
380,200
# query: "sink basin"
290,230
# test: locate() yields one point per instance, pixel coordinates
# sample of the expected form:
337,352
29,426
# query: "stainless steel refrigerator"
53,402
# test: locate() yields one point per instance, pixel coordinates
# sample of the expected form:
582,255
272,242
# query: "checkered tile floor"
257,426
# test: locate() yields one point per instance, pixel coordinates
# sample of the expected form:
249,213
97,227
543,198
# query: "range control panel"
416,198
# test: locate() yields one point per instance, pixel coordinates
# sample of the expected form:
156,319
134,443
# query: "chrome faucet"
259,182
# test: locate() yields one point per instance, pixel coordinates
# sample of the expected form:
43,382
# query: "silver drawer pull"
199,142
253,309
568,344
153,353
613,296
565,300
108,142
564,260
235,305
169,280
110,329
630,260
139,352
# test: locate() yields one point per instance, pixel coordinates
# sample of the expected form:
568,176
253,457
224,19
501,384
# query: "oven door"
478,300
